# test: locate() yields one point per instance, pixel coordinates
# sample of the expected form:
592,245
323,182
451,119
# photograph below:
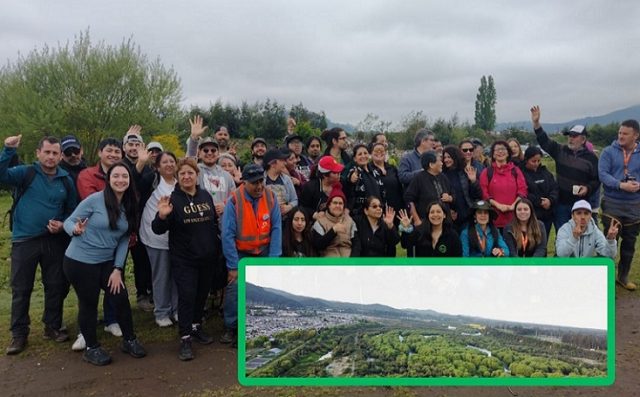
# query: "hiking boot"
200,336
55,334
96,356
113,329
134,348
17,345
185,353
626,284
144,303
80,344
229,336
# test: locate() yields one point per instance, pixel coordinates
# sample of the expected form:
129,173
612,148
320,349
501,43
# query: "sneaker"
164,322
200,336
55,334
185,353
113,329
134,348
96,356
229,336
80,344
628,285
144,303
17,345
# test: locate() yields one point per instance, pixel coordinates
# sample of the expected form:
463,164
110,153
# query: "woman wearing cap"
542,188
333,232
481,238
165,294
502,183
190,218
464,184
525,235
377,235
315,192
435,237
361,181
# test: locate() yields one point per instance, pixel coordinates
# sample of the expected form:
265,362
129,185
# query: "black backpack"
19,191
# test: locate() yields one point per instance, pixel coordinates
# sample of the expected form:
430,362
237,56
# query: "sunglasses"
72,151
467,150
209,150
375,206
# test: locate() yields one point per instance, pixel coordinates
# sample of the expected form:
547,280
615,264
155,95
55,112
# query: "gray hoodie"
592,242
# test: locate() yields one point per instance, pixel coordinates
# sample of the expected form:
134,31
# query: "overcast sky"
350,58
559,295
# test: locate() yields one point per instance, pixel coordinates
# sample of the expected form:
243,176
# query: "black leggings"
193,279
87,280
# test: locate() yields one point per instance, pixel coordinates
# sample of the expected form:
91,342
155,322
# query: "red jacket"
504,188
90,180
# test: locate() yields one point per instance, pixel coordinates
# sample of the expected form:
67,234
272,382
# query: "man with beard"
72,160
576,167
258,149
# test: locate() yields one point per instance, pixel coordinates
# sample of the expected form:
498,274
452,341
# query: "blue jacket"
611,172
229,231
99,243
467,251
409,166
45,199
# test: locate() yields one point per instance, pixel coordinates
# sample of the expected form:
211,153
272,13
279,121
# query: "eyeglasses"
72,151
574,135
467,150
209,150
375,206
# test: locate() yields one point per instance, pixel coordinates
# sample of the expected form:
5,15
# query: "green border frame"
439,381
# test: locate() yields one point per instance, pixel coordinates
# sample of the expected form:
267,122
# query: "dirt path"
213,372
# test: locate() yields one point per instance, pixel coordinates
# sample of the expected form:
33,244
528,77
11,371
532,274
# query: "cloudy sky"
534,294
350,58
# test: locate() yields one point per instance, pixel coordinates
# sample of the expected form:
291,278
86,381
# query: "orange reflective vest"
253,230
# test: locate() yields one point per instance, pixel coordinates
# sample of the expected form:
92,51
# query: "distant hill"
617,116
281,299
348,128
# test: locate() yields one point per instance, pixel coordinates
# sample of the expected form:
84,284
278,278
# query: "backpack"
19,191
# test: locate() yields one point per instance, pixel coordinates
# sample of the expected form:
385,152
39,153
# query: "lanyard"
525,240
626,157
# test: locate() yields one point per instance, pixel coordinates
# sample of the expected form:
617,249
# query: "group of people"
187,222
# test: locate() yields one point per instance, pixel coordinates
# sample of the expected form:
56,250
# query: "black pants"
627,235
48,251
87,280
141,269
194,281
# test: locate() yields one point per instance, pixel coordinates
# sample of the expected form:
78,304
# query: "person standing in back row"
619,171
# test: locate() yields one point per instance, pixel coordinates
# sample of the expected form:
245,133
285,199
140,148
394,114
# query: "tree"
485,116
91,90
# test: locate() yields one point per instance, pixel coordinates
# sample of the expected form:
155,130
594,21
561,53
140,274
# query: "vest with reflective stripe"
253,231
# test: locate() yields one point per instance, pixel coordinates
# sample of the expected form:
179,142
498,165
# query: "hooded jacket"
591,243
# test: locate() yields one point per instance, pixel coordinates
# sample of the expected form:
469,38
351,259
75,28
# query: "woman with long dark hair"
481,237
542,188
464,184
190,218
100,228
361,180
391,185
525,235
377,235
435,237
296,235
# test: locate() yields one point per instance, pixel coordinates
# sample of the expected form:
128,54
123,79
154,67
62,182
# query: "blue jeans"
230,306
562,214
